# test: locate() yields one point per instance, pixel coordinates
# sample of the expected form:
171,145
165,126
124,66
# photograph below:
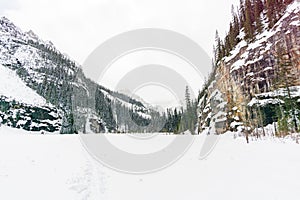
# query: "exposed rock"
262,73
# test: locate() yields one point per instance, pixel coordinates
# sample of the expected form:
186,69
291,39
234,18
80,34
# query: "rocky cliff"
258,82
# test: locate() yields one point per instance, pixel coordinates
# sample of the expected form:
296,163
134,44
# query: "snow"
210,87
236,50
42,166
201,101
216,95
263,102
143,115
13,87
230,172
127,105
206,109
268,68
270,97
238,64
294,91
57,167
250,74
262,40
235,124
295,23
222,105
14,49
294,7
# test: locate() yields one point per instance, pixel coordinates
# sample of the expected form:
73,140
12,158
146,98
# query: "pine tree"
234,29
242,13
271,14
258,8
248,24
218,47
187,97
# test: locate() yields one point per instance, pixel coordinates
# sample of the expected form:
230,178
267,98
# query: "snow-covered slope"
59,80
14,88
22,107
57,167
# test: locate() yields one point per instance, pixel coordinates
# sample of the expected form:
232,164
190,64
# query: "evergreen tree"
248,24
218,47
271,12
258,9
187,97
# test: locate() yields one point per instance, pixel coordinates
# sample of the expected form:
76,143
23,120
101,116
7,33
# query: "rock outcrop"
258,83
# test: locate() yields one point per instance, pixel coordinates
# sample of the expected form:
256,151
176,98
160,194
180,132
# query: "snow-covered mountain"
35,73
257,82
22,107
14,88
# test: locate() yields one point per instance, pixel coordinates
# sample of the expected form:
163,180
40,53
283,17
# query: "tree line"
248,18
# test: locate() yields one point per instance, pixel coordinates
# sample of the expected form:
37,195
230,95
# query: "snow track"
90,184
46,167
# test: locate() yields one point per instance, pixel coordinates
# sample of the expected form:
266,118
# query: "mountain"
58,82
255,81
22,107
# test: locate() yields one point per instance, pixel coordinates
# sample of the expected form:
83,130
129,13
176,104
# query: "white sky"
77,27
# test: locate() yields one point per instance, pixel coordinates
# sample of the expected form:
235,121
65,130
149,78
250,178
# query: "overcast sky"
77,27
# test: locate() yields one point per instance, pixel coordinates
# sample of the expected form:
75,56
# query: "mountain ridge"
61,81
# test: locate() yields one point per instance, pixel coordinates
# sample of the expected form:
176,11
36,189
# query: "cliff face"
258,83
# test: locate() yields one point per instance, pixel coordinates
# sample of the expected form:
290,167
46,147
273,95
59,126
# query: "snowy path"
57,167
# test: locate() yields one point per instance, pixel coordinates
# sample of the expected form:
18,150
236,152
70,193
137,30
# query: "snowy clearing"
57,167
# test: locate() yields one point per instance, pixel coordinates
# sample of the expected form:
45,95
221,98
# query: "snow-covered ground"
57,167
